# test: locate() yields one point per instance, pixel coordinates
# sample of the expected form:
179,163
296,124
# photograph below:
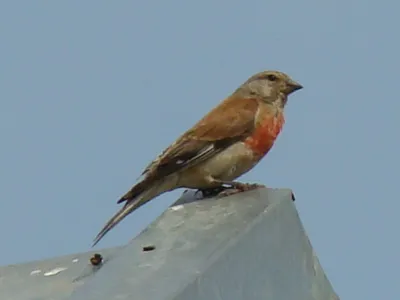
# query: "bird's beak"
293,86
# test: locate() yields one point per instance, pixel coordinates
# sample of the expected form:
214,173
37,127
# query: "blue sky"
92,91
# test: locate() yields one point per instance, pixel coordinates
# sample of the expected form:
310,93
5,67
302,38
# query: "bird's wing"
229,122
232,120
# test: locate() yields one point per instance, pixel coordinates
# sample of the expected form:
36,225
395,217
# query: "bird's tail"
131,205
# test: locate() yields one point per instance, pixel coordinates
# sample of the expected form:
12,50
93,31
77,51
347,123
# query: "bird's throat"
265,134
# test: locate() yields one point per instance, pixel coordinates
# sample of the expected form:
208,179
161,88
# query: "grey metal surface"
53,278
247,246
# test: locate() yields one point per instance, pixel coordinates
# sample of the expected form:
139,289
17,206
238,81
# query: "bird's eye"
271,77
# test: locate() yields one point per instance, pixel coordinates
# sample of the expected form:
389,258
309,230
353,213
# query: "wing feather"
229,122
232,120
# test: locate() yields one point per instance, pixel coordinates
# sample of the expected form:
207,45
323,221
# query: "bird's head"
270,86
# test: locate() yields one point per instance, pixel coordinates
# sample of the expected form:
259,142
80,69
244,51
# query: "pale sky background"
91,91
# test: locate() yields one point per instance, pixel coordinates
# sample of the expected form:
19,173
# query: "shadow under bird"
226,143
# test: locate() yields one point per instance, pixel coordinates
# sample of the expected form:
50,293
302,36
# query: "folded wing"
232,120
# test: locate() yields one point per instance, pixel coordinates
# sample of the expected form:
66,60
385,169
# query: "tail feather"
132,204
128,208
137,189
122,213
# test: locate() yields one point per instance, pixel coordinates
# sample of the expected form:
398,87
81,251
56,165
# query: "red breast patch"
264,136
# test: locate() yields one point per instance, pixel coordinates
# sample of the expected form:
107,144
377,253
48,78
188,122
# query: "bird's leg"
242,187
225,188
212,192
237,187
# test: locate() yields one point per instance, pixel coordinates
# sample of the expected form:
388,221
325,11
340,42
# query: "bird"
226,143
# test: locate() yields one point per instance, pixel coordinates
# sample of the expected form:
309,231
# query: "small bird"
226,143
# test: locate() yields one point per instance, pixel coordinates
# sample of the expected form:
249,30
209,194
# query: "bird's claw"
243,187
234,188
228,192
211,192
239,187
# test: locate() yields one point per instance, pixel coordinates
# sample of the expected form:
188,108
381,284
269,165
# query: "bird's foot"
238,187
243,187
211,192
228,192
231,189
